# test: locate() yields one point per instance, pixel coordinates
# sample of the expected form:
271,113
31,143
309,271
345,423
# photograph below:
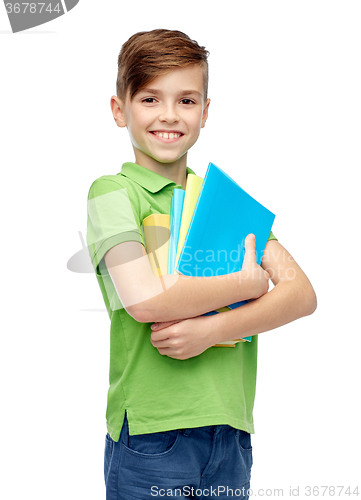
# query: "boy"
179,413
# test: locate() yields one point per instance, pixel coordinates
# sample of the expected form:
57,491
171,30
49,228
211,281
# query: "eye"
187,101
149,100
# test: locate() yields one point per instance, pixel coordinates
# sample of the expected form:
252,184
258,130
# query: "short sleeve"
110,220
272,237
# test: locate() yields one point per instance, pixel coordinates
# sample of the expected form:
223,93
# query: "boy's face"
164,119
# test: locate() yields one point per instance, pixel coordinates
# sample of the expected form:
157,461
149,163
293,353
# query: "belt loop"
186,432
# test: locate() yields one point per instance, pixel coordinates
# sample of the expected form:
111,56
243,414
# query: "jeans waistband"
211,429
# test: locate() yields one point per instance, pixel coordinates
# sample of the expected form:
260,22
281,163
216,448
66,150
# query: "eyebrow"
158,92
187,92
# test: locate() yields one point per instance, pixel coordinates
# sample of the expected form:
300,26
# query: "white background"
284,122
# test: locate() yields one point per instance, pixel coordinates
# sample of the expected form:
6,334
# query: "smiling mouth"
167,135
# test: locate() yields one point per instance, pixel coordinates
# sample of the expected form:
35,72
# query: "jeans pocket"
153,444
244,441
245,449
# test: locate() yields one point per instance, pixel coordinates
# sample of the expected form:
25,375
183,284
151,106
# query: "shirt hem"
136,428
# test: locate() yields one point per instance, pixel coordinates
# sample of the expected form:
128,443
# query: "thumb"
250,251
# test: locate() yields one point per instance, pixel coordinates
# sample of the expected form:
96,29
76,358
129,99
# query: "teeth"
165,135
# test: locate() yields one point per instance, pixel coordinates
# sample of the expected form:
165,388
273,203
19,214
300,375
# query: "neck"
175,171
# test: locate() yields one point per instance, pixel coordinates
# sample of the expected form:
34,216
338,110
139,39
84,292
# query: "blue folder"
176,208
224,215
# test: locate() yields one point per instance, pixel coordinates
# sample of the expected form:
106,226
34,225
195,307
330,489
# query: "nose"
169,114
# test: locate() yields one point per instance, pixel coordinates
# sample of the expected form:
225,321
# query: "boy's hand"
183,339
253,270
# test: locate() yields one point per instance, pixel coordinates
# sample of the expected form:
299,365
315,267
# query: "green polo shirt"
159,393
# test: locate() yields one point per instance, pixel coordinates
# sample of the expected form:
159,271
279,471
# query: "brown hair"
149,54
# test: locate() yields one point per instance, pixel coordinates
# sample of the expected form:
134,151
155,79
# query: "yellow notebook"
193,188
156,236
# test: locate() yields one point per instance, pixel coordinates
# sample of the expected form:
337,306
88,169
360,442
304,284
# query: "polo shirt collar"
147,178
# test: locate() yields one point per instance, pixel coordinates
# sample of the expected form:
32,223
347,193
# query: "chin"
167,159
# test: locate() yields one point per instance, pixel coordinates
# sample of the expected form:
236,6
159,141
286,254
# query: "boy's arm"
149,298
292,297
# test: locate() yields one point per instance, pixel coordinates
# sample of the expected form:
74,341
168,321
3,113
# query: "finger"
164,351
250,249
163,324
159,336
171,353
161,344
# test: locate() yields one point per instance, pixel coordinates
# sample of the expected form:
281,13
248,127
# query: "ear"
117,107
205,113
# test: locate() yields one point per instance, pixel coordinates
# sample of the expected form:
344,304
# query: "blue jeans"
200,463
